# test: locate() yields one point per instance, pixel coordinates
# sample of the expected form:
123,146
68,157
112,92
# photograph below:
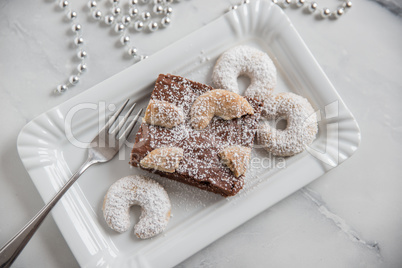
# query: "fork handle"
10,251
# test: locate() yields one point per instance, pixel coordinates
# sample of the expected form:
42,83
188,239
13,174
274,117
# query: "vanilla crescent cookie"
142,191
225,104
245,60
301,126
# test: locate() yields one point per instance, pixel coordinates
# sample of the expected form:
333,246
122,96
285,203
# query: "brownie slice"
200,166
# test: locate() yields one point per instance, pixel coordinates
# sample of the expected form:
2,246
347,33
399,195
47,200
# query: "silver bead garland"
136,17
76,28
311,7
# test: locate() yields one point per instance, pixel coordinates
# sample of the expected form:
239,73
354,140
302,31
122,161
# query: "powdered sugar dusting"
245,60
142,191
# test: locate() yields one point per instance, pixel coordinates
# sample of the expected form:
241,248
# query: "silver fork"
102,149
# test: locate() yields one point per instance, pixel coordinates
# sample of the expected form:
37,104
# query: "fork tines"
116,131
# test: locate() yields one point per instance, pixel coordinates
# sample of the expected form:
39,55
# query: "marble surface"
351,217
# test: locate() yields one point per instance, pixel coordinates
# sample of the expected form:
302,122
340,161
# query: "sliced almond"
163,113
218,102
236,158
165,159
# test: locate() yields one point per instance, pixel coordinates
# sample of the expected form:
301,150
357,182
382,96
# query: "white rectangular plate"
50,155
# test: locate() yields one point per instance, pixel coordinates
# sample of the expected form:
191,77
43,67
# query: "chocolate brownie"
201,165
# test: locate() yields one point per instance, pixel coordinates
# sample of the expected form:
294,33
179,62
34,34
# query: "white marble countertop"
357,217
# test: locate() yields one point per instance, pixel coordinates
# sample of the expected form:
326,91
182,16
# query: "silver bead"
109,19
82,54
234,7
168,10
61,88
165,21
97,14
339,12
114,1
133,12
74,79
286,3
132,51
124,40
143,57
92,4
245,2
134,2
116,11
325,12
312,7
76,28
82,67
158,2
138,25
157,9
153,26
126,20
119,27
63,3
275,1
300,3
79,41
145,15
72,15
347,4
